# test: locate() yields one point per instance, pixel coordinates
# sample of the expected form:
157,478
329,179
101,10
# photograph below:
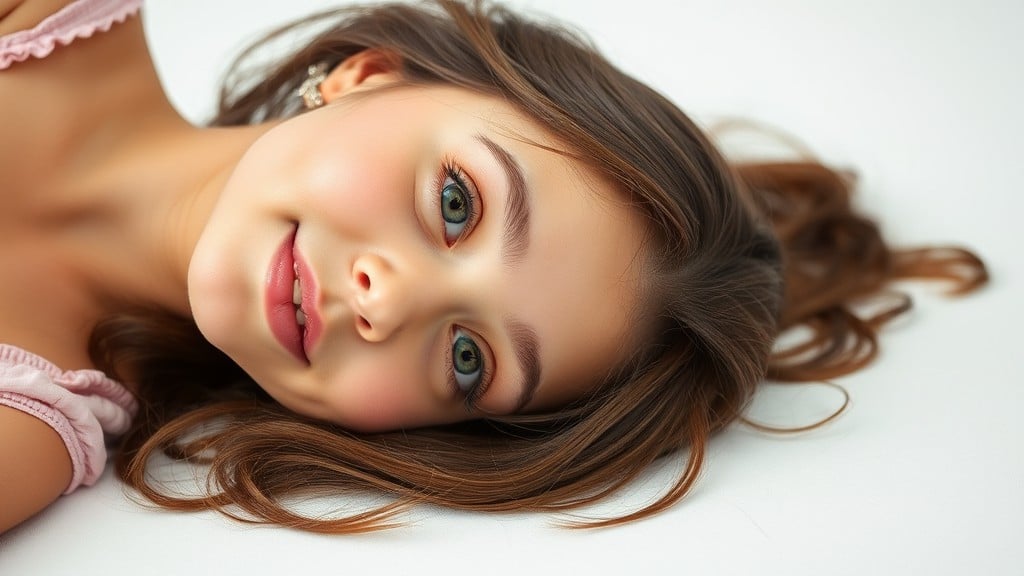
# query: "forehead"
579,282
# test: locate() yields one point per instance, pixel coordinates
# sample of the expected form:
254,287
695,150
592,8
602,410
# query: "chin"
217,310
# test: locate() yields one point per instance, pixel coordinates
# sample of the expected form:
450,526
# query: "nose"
383,299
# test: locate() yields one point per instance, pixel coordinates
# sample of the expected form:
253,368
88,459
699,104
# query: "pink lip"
278,302
314,325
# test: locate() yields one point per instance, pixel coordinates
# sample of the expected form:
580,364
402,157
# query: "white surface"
923,475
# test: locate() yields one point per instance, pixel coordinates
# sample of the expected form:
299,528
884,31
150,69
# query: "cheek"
365,166
356,192
370,398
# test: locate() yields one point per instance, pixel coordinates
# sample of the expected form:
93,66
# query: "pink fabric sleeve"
82,406
80,19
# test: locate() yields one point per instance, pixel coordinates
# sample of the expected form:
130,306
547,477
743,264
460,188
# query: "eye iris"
454,207
466,356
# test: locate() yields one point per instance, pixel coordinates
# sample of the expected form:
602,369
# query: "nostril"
364,323
364,280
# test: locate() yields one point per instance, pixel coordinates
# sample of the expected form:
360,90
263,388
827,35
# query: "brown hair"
737,252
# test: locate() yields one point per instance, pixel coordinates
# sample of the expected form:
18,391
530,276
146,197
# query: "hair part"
736,254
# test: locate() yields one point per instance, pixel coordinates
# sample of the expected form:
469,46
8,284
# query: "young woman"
441,251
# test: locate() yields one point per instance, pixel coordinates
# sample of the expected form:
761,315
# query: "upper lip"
307,281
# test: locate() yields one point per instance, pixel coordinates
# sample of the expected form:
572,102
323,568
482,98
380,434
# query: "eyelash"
451,170
486,377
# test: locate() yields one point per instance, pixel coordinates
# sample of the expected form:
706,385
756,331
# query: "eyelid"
450,168
486,378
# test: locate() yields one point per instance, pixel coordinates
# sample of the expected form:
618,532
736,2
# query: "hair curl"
738,254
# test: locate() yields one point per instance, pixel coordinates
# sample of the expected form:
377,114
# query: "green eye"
454,207
467,363
458,202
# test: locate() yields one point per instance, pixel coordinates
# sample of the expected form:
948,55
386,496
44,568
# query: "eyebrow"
524,342
515,241
516,227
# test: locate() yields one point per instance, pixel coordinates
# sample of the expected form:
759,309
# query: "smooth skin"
36,468
96,155
33,471
65,202
397,284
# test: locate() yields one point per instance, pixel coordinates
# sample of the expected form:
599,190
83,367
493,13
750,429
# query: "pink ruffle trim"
79,19
82,406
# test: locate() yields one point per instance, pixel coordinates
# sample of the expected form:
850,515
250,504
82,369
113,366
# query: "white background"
923,475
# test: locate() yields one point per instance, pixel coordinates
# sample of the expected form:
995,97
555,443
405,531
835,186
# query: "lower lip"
278,304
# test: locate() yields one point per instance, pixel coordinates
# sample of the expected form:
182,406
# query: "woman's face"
448,267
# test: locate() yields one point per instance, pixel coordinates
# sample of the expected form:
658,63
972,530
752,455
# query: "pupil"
467,355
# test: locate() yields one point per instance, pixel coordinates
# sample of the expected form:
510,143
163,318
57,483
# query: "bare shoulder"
18,15
36,466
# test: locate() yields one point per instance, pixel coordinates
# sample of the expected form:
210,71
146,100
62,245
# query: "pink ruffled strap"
80,19
82,406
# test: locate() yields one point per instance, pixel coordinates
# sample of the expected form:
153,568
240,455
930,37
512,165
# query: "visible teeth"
300,317
296,293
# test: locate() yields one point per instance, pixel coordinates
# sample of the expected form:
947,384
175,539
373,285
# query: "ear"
369,68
